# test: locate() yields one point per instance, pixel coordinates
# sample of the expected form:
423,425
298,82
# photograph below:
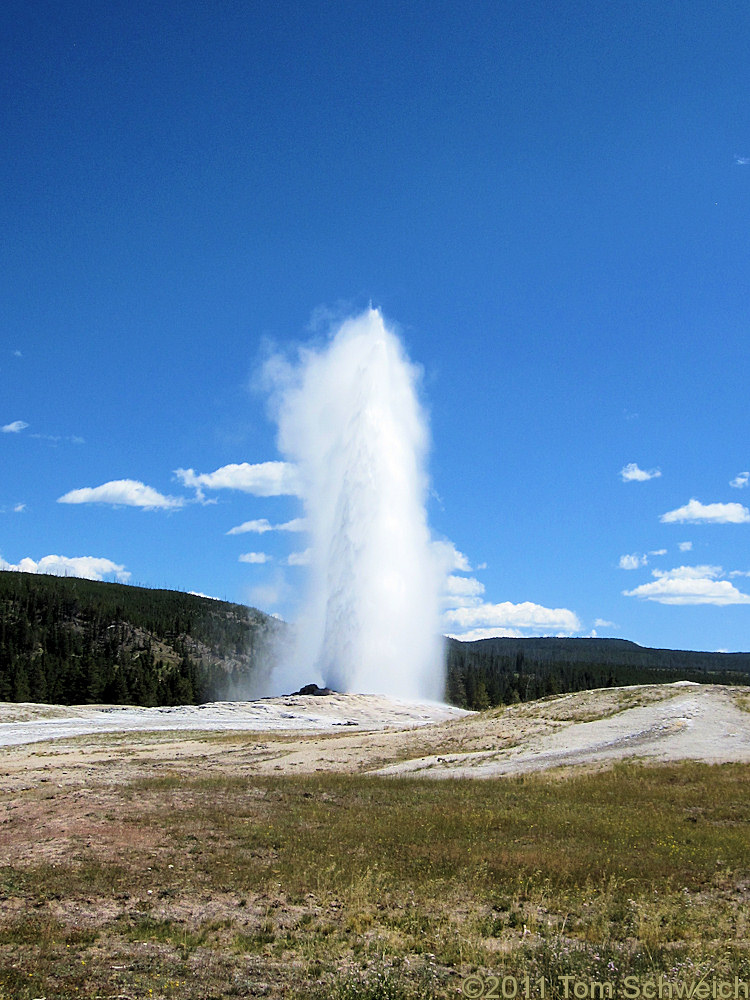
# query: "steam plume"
351,421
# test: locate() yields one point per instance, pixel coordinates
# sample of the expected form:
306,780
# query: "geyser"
350,419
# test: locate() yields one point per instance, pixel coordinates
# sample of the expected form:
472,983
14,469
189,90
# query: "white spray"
352,422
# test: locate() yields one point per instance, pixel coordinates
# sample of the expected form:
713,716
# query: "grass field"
348,886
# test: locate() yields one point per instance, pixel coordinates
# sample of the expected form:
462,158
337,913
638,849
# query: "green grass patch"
352,886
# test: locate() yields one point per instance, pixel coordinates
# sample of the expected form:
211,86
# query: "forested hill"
501,671
70,641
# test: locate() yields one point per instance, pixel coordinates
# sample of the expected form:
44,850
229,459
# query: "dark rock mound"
315,690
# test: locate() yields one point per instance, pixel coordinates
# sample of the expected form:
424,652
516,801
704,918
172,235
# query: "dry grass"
348,886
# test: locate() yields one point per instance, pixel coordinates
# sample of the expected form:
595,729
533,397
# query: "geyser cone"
355,428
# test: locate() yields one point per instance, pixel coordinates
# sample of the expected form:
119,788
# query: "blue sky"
549,201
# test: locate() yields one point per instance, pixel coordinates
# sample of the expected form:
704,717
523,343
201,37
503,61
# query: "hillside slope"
72,641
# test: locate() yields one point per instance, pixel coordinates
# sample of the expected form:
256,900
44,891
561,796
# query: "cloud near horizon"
123,493
690,585
84,567
262,479
507,619
632,474
695,512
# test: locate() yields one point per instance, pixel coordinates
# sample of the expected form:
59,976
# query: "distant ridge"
488,672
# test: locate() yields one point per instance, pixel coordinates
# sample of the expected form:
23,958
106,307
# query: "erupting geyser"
351,421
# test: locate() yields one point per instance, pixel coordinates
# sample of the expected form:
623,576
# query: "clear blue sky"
549,200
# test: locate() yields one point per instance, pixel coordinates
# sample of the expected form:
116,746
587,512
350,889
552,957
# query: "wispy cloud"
262,479
85,567
254,557
262,525
742,161
694,512
463,586
462,591
690,585
258,527
15,428
631,473
685,546
634,561
17,508
57,438
299,558
123,493
740,481
449,558
603,623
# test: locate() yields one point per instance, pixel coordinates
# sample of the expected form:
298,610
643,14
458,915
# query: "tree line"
69,641
490,672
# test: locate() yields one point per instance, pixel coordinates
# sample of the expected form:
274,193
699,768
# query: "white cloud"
658,552
123,492
262,525
690,585
742,161
263,479
740,572
740,481
694,512
631,473
513,619
449,558
86,567
632,562
296,524
299,558
689,573
474,634
462,591
463,586
603,623
15,428
19,508
685,546
258,527
254,557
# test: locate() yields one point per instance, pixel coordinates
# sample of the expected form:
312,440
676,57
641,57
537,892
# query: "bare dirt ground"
140,857
372,734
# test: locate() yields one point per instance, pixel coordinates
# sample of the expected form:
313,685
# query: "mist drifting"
349,417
